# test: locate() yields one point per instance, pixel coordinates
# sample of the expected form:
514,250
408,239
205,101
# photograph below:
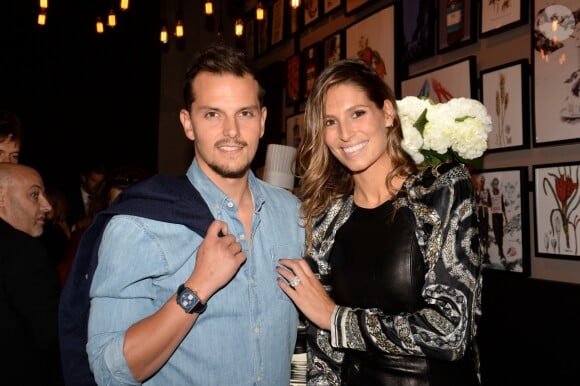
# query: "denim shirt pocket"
284,251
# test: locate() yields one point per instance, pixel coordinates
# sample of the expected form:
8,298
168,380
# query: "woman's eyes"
358,113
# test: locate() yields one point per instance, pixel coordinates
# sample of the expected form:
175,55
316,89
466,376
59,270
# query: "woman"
392,281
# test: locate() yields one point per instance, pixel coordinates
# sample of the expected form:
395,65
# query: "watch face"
187,299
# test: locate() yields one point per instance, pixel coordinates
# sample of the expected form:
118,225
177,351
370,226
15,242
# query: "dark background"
81,95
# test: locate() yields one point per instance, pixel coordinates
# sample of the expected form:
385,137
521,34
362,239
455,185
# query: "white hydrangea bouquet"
439,132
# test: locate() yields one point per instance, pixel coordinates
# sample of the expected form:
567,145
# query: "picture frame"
351,6
372,39
498,16
330,6
294,124
277,34
505,94
557,210
293,66
456,24
333,48
311,10
453,80
503,218
556,65
311,67
417,29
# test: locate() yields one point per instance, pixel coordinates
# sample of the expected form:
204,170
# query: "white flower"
434,133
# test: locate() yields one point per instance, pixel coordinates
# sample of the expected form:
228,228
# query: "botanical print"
372,40
499,209
557,70
502,95
558,211
498,13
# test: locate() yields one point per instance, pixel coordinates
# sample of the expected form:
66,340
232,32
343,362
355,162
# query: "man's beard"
229,173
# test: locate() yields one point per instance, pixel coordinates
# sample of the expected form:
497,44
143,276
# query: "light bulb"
179,29
239,27
260,11
124,5
164,37
208,8
295,3
43,4
112,19
41,18
100,26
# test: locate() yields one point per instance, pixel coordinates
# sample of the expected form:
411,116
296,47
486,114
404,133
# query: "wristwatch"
189,301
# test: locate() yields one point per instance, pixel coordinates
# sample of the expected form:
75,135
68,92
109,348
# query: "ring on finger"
294,282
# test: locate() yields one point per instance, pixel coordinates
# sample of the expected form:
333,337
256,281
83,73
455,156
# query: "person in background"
498,216
29,289
10,137
483,201
116,181
91,175
196,304
391,285
56,235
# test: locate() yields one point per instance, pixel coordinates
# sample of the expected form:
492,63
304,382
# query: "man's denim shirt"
248,332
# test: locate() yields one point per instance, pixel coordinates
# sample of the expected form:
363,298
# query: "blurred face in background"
9,150
23,202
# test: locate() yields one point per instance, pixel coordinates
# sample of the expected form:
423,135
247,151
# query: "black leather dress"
388,275
406,278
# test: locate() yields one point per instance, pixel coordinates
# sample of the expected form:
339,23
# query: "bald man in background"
29,287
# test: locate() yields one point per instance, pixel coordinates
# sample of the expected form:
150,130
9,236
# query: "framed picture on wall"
556,66
277,22
311,11
504,91
311,67
417,29
331,6
456,79
456,24
333,48
498,16
293,80
372,39
354,5
293,125
502,208
557,210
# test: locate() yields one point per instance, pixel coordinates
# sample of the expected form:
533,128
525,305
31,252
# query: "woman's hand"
299,283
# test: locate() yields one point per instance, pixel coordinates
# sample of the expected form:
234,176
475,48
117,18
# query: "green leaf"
421,122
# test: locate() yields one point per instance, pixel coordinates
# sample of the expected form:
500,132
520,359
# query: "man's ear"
185,119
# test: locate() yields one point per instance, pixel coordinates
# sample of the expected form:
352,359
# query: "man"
10,137
29,287
170,305
92,173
